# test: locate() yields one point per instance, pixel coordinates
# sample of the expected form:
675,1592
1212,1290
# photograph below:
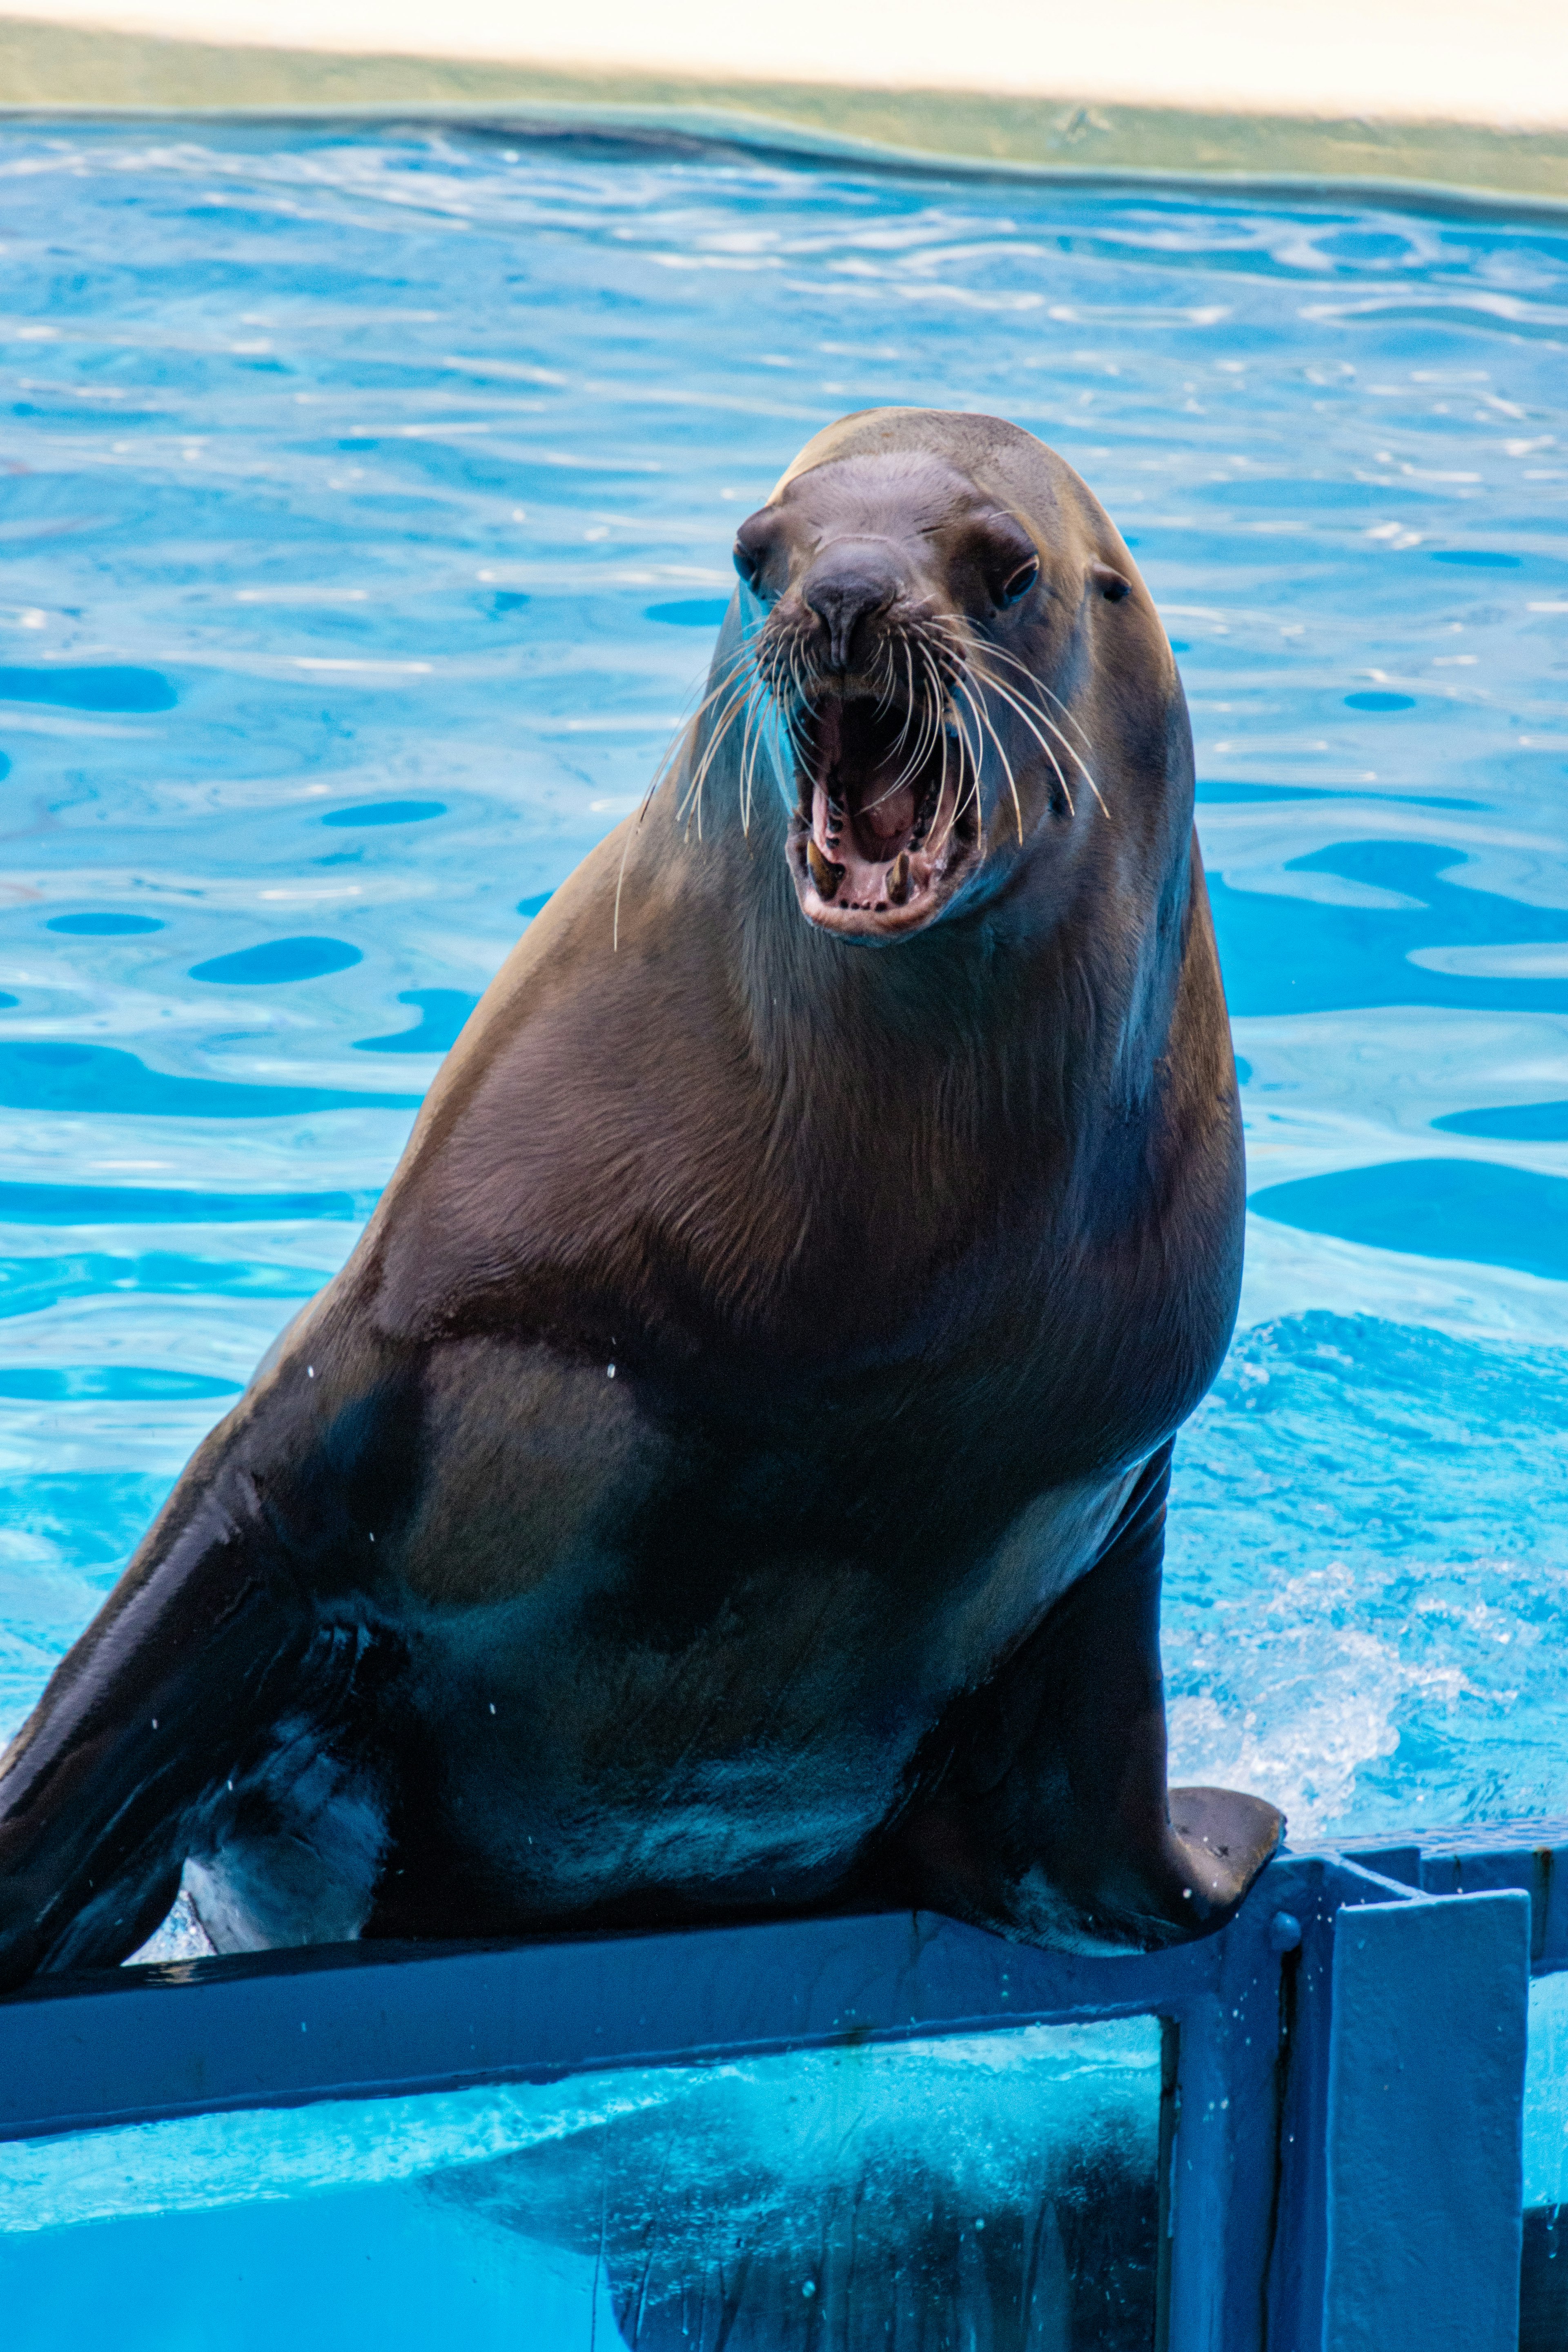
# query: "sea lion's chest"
719,1699
862,1507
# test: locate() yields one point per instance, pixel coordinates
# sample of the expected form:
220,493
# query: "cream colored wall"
1485,61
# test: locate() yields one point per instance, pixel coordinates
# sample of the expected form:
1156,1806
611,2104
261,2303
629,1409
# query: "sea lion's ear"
1112,585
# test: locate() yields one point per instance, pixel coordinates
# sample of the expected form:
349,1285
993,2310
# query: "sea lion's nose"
848,586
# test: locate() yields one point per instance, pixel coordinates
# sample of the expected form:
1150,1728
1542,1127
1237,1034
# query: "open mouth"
887,822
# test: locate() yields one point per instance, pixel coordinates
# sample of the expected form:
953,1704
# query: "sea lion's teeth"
824,873
898,878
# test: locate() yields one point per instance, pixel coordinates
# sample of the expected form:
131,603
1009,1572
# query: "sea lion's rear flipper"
199,1647
1049,1817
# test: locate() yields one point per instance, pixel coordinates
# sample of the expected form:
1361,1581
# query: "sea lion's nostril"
842,603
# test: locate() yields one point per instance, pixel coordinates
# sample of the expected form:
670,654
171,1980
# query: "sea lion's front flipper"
1049,1817
199,1649
1227,1838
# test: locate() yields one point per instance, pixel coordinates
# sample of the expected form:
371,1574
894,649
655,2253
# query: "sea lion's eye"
1016,586
1007,559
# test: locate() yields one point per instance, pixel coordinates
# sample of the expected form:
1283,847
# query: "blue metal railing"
1341,2151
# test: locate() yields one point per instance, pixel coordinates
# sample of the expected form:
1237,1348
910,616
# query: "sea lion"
729,1475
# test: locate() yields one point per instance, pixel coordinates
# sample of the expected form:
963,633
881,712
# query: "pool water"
367,505
994,2191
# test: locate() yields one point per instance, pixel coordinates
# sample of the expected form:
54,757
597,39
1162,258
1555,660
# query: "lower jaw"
860,899
870,917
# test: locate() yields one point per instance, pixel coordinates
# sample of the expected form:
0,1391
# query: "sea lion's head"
944,622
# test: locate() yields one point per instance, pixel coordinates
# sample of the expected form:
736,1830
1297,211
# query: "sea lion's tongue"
886,816
865,808
852,817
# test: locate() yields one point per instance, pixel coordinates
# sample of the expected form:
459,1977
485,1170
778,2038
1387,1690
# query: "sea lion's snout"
897,618
853,654
850,587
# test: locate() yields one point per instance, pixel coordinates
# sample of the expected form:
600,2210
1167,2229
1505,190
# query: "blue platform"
1340,2115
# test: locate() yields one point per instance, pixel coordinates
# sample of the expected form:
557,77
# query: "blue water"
830,2198
366,515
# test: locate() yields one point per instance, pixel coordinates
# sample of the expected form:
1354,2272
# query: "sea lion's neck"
1016,1012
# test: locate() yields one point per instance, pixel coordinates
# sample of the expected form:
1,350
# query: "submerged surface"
368,502
994,2191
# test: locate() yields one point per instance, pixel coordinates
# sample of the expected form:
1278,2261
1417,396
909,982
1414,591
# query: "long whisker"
684,733
715,742
794,714
997,688
796,683
766,751
682,736
793,737
984,716
716,735
916,756
885,660
1032,681
976,754
758,697
935,626
931,710
960,797
1039,686
933,698
620,877
912,768
1028,717
1046,721
745,750
752,743
999,653
903,734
